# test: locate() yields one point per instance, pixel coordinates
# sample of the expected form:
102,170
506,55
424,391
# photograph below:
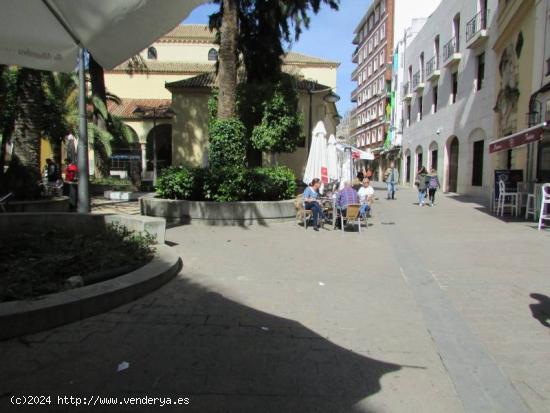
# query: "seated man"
311,202
345,197
366,196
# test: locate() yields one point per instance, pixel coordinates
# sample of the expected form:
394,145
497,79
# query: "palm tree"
27,125
227,66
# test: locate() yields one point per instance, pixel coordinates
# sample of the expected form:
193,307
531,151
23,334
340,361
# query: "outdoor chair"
544,205
4,201
302,214
506,199
352,215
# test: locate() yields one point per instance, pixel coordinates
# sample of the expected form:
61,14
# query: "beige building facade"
188,52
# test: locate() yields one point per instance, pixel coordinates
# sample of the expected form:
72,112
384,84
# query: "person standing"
391,177
71,171
421,183
433,185
311,202
52,171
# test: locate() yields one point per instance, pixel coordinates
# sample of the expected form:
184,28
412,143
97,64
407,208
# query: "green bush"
175,182
227,143
227,184
271,184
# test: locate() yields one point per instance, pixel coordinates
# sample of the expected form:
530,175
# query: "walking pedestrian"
433,185
421,183
391,177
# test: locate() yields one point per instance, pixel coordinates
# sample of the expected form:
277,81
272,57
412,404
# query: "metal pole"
82,150
154,148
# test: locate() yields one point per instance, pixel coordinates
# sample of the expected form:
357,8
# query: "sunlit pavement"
428,310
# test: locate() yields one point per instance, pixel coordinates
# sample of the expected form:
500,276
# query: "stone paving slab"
279,319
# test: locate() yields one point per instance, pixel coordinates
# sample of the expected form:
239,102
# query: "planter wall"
81,223
219,213
57,204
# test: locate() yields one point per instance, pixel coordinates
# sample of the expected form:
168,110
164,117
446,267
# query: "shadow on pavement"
186,341
541,310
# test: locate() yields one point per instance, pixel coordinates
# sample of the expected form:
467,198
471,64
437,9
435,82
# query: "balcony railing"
476,24
406,88
450,48
431,66
417,79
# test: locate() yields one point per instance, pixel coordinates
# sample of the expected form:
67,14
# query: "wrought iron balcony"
451,53
407,91
432,68
418,82
476,29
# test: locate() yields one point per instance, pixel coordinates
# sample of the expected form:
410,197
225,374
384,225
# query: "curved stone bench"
30,316
219,213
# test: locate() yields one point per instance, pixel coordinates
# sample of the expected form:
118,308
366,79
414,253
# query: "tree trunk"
97,78
27,130
227,68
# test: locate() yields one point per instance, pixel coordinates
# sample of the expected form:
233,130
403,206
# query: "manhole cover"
388,223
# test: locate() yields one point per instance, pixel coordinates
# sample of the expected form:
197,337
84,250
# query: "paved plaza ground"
429,310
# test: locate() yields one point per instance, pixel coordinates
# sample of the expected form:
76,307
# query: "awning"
518,139
46,34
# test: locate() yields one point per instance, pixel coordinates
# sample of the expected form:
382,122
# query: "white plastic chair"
545,200
506,199
530,207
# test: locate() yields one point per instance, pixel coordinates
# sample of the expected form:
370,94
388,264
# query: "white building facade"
448,95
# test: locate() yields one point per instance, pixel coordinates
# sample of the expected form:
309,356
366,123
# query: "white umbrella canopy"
47,34
317,160
333,165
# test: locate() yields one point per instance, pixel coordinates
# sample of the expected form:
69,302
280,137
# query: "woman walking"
421,183
433,185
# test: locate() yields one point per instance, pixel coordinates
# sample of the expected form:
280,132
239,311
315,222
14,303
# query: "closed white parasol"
317,160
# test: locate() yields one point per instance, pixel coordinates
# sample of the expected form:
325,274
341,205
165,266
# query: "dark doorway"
453,165
433,161
163,136
408,168
543,164
419,161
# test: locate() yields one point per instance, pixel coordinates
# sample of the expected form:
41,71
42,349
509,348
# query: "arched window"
213,55
152,53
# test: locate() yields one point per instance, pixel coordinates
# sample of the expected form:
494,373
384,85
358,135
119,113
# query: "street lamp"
154,112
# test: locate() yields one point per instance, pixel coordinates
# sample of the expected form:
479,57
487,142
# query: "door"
453,165
408,168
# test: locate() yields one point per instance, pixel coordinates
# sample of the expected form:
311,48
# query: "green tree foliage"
281,124
264,26
227,146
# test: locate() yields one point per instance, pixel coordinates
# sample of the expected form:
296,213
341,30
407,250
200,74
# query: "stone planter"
56,204
219,213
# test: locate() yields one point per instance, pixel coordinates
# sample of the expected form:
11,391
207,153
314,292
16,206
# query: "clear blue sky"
329,36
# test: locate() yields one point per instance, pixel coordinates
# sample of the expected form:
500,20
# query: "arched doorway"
161,138
452,182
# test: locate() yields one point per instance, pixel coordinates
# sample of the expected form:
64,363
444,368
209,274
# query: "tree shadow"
541,310
186,341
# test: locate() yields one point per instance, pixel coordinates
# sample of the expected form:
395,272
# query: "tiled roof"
189,32
126,108
156,66
208,80
294,57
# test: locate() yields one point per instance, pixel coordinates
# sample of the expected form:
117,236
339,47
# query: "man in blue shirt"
311,202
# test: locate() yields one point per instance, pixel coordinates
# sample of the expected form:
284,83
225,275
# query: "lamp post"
154,112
